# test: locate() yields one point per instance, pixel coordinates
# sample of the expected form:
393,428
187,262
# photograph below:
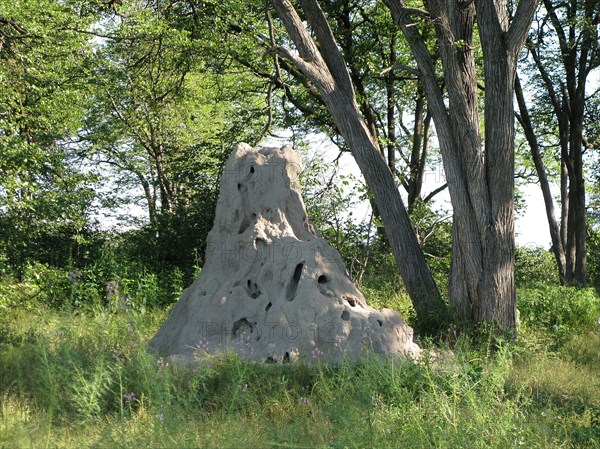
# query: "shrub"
535,266
559,311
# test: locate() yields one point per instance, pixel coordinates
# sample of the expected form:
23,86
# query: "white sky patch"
531,225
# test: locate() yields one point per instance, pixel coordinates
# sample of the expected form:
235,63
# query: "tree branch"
406,68
435,192
517,32
307,50
330,50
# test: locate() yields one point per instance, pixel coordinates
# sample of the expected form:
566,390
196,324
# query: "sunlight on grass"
70,380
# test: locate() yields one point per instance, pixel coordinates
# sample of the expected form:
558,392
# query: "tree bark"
480,179
326,68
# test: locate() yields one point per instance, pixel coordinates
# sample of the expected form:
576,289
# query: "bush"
559,311
535,266
107,283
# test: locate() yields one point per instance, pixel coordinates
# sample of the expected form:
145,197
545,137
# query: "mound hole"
293,285
350,301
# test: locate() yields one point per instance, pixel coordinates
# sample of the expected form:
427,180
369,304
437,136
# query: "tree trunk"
577,43
555,235
480,180
418,154
500,62
577,187
391,111
325,67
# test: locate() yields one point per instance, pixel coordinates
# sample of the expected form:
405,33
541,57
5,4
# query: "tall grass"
80,376
86,380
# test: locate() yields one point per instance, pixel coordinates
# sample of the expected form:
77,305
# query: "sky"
531,227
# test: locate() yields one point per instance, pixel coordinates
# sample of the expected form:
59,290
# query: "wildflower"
245,344
338,341
316,353
203,345
123,303
112,287
73,276
161,363
244,388
129,397
303,401
160,417
452,331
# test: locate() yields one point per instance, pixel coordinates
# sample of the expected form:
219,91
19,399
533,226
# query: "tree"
564,48
325,68
386,86
45,200
479,171
169,102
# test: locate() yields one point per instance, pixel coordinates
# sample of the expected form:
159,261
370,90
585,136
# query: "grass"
67,379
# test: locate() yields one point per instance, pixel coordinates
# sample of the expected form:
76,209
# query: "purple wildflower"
316,353
129,397
123,303
160,417
303,401
112,287
245,344
203,345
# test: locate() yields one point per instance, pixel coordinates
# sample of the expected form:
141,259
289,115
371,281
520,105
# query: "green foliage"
45,199
110,282
434,232
331,199
559,312
169,103
593,254
535,266
382,286
86,380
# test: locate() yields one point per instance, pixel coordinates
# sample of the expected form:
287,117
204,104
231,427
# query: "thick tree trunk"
500,304
578,225
577,186
325,67
481,284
